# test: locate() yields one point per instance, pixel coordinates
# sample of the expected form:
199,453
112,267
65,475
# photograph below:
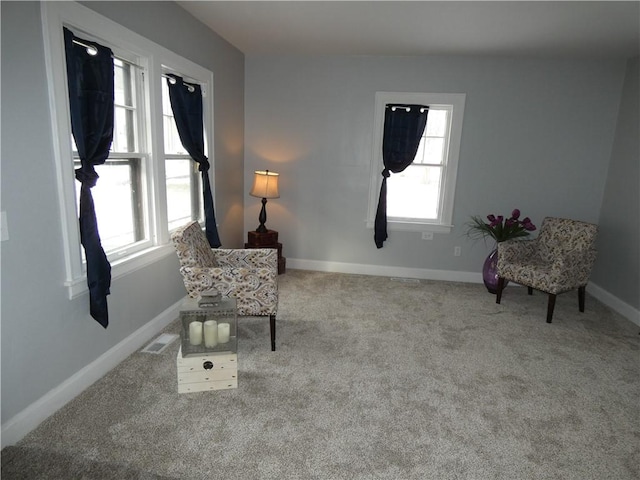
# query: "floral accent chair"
558,260
248,275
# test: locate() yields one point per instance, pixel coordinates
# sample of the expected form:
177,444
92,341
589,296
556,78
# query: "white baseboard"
614,303
385,271
29,418
599,293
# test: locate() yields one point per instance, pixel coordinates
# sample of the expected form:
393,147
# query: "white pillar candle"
223,332
210,333
195,333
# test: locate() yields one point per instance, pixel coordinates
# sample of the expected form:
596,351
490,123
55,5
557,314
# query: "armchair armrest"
574,266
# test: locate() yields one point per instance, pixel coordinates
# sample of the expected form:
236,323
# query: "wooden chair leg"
550,307
499,289
272,323
530,290
581,291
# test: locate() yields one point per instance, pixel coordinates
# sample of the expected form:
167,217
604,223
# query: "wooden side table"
268,239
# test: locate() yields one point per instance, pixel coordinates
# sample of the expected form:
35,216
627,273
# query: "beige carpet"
372,379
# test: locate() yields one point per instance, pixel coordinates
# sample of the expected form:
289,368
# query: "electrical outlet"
456,251
427,235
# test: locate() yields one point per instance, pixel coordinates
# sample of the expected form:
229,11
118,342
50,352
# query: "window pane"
166,102
419,158
433,150
124,129
414,193
122,83
430,150
436,123
123,132
117,200
172,143
182,192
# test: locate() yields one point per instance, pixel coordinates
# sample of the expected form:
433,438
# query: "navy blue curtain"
90,81
403,128
186,104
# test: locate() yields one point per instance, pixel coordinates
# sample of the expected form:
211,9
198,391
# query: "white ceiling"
594,29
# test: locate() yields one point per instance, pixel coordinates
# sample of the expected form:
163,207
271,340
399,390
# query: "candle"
223,332
210,333
195,333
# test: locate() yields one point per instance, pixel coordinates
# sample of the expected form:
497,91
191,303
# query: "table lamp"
265,185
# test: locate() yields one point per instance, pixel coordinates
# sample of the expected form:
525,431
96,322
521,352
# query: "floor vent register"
161,343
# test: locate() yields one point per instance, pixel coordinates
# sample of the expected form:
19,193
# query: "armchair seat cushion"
533,272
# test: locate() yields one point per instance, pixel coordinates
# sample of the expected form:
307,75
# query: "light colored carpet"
372,378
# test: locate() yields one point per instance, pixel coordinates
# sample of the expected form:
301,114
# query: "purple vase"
490,272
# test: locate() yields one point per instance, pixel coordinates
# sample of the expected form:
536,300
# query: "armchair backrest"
192,246
563,234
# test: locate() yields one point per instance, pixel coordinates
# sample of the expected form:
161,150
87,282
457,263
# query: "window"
183,184
421,197
148,185
119,196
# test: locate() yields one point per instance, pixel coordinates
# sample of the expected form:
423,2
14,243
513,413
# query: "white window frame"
154,59
443,224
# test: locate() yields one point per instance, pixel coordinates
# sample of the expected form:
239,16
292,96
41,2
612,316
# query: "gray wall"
537,135
46,338
618,268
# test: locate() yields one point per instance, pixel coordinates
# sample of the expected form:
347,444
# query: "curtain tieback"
203,165
87,178
386,173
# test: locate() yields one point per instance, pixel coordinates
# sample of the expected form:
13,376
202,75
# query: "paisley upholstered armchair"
558,260
248,275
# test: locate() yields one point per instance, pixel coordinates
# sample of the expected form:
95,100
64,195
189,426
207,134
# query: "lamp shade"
265,184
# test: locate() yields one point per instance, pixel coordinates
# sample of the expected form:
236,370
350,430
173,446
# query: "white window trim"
55,15
457,100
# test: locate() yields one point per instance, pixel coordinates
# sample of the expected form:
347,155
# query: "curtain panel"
91,100
186,104
403,129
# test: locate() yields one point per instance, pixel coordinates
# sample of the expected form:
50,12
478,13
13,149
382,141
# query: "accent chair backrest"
563,234
192,247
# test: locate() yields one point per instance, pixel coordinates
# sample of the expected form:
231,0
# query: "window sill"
121,267
414,226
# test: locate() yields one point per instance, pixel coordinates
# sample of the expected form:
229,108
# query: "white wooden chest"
216,371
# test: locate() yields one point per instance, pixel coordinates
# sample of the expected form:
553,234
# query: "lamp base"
262,218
